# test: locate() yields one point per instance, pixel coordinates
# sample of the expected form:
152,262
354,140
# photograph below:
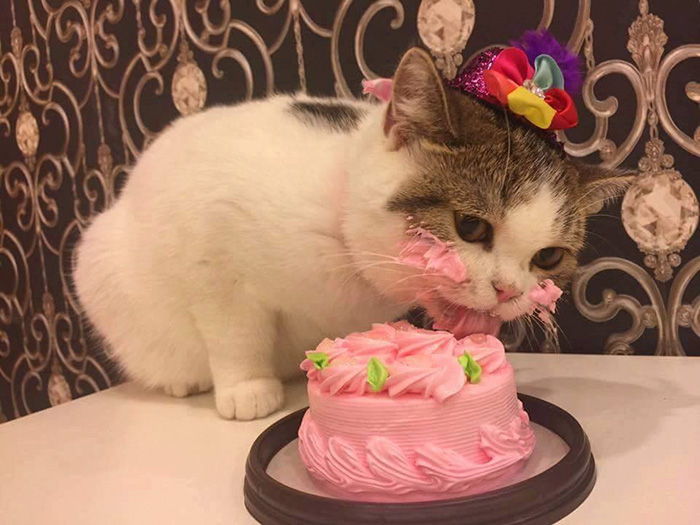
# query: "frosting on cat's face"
512,206
504,254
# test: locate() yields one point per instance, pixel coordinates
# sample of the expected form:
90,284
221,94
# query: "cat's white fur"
525,229
244,236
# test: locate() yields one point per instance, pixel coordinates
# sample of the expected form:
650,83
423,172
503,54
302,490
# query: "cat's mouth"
459,320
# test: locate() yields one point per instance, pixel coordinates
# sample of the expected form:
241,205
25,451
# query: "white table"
129,456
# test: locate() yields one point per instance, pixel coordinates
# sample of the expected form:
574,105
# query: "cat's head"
514,205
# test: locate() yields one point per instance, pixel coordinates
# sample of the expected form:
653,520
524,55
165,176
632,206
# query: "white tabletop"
129,456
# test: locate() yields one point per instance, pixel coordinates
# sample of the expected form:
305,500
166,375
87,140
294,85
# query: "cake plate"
540,500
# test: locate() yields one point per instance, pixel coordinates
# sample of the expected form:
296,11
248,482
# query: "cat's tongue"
466,322
462,321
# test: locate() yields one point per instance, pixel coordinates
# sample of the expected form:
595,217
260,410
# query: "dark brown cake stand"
542,499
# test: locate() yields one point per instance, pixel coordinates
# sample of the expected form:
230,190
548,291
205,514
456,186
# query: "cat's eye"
472,229
548,258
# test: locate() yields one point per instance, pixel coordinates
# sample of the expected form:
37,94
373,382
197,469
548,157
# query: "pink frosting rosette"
486,350
424,342
398,358
345,375
432,375
425,251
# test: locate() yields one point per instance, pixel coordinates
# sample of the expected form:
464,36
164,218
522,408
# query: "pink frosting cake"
404,414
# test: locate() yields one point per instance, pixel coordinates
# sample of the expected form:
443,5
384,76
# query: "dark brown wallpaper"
85,84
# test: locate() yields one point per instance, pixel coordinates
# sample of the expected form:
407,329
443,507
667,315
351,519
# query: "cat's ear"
599,185
418,107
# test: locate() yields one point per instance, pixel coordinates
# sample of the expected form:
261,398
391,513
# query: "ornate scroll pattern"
648,79
659,232
660,210
85,85
680,314
666,317
647,316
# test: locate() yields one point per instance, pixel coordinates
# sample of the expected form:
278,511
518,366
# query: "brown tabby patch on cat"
483,162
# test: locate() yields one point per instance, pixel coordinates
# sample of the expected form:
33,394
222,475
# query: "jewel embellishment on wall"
189,87
444,27
27,133
660,209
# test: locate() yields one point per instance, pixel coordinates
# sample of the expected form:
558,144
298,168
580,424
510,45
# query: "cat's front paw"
250,399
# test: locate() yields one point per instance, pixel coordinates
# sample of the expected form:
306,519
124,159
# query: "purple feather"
541,42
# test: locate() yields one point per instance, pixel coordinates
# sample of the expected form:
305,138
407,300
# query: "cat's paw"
184,389
250,399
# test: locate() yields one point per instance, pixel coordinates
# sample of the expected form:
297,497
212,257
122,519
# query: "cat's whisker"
422,275
361,265
527,328
341,289
604,239
556,329
534,324
505,112
552,327
349,253
604,216
596,203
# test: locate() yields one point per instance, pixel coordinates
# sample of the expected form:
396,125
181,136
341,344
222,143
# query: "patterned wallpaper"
85,85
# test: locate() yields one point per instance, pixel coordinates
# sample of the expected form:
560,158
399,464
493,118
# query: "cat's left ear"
599,186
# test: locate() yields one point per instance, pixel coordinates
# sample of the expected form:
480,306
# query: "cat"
247,234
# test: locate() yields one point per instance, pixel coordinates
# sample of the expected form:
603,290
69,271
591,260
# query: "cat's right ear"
418,106
600,186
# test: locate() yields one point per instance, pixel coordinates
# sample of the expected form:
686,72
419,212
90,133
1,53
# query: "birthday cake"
400,413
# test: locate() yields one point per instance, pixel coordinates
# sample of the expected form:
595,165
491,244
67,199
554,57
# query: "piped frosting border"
396,358
382,466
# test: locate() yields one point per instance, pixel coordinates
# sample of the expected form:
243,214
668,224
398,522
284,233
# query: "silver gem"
445,27
660,212
533,88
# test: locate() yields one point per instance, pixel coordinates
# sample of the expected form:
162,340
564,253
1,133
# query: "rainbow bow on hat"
533,79
534,93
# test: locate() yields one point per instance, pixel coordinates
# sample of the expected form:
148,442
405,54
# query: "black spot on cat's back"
333,115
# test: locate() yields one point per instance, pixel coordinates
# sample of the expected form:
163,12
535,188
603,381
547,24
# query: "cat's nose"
505,292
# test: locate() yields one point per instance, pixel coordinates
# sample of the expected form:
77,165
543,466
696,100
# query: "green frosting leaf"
319,359
471,368
376,374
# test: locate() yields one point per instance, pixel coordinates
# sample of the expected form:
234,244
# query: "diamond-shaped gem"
445,25
660,212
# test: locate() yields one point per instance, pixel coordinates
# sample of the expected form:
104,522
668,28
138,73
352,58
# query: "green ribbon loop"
547,73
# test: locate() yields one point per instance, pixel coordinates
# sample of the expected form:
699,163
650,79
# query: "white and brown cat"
247,234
